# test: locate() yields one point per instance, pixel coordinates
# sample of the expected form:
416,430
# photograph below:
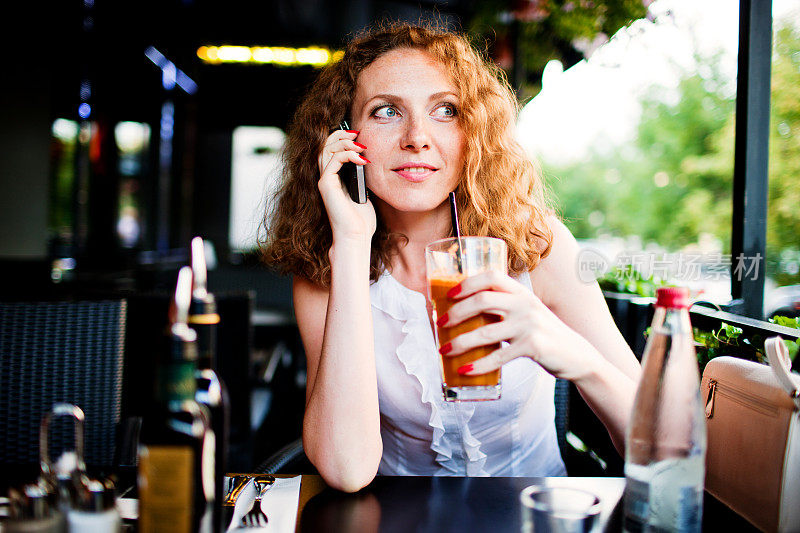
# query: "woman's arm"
341,425
579,304
565,326
611,372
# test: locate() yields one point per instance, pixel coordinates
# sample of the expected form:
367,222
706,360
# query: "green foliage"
729,340
789,322
783,225
783,265
793,348
675,141
628,280
690,142
552,29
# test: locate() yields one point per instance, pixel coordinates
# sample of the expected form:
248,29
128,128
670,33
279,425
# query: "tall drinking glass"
446,268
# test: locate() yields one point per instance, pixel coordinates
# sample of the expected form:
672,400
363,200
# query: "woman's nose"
416,135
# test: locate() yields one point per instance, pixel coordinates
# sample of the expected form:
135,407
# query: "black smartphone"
352,176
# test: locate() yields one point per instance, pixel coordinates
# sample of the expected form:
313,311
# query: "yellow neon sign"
316,56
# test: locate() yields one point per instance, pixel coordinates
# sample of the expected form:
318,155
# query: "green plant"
786,321
789,322
542,30
724,341
729,340
628,280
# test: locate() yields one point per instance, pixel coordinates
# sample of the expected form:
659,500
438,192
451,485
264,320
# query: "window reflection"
132,141
64,140
255,176
637,145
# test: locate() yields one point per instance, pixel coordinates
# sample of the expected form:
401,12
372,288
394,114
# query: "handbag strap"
778,358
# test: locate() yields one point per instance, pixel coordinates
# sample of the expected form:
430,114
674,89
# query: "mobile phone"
352,176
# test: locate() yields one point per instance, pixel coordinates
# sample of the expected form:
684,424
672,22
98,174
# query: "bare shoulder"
306,288
559,270
310,300
310,308
579,304
564,246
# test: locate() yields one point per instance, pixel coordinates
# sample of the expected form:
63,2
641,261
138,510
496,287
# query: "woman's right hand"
349,220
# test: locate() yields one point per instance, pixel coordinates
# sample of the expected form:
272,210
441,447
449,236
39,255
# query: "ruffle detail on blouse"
449,421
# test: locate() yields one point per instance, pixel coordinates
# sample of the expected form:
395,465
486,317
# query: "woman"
430,116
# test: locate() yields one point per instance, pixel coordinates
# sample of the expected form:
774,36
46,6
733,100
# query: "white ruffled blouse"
424,435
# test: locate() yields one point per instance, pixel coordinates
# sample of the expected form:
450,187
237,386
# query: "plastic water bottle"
665,445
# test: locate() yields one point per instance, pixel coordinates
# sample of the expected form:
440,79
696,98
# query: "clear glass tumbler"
446,268
558,509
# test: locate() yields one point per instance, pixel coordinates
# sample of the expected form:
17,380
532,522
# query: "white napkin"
279,503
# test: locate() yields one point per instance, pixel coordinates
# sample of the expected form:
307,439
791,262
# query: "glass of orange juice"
446,268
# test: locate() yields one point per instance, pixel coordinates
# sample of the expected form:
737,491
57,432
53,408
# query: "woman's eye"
445,111
385,111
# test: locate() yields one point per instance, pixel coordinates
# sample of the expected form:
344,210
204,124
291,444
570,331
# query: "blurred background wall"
118,138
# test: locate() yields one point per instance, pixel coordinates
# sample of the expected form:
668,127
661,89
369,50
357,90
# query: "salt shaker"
96,510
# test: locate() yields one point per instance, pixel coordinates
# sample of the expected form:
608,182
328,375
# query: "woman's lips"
415,174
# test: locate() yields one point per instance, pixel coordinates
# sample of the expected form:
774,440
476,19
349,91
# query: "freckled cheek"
378,145
457,140
379,155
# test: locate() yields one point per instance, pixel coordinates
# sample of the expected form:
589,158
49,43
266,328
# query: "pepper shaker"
33,509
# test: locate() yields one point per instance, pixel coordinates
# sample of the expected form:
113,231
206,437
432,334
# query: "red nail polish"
454,291
353,131
359,145
464,369
442,320
447,348
365,159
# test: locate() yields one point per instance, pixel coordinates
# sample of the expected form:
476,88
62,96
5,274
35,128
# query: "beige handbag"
753,422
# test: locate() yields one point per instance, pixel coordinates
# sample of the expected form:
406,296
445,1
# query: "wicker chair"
61,352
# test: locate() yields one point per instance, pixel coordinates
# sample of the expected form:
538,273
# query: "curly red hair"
500,193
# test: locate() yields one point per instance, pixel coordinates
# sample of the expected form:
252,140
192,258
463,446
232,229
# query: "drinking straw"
456,231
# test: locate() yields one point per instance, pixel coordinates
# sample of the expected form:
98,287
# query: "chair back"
561,401
66,351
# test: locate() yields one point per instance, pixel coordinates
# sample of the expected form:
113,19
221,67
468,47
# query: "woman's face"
406,108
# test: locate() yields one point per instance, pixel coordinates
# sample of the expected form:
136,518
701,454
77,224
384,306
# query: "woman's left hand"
529,327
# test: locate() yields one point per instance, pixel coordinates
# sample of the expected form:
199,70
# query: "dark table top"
458,504
431,504
443,504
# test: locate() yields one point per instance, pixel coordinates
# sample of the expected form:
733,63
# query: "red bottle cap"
675,297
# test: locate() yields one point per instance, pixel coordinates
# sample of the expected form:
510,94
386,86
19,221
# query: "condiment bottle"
665,444
34,510
211,390
176,453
